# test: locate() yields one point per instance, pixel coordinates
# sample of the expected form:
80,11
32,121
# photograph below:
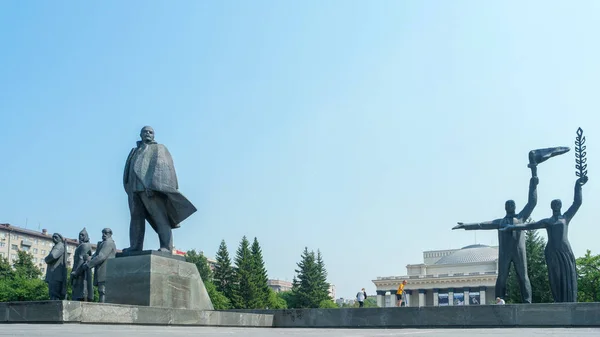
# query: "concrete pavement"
85,330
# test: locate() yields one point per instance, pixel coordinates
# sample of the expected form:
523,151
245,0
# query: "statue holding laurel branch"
512,244
562,272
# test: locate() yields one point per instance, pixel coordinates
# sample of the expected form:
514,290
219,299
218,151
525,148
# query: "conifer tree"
245,289
218,299
323,285
224,274
309,288
259,274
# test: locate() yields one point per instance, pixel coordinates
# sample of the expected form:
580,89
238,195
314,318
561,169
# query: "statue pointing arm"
494,224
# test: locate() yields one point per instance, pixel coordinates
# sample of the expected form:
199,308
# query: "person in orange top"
400,292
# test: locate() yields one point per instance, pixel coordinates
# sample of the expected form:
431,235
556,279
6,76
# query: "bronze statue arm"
494,224
577,199
529,226
531,199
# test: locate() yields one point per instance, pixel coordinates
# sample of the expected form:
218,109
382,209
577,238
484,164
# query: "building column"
436,302
407,297
393,301
381,298
466,294
422,297
450,296
482,299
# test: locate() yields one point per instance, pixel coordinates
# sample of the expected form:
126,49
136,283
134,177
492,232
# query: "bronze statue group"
562,273
151,185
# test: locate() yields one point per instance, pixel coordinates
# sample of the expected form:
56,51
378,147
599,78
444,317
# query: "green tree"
201,263
219,301
322,278
6,270
288,297
245,290
224,274
23,282
276,301
371,302
588,278
260,278
309,288
536,269
25,267
217,298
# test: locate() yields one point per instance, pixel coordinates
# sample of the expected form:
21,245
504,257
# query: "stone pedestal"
155,279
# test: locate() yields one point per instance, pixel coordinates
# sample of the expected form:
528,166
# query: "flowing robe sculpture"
81,280
562,272
56,270
105,250
152,190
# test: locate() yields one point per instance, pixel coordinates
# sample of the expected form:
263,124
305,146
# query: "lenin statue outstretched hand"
152,191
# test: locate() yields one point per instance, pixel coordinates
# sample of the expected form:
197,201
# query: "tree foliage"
217,298
22,281
310,288
536,269
260,278
588,278
224,274
201,263
219,301
245,290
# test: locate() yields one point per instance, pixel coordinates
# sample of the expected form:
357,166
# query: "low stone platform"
101,313
155,279
475,316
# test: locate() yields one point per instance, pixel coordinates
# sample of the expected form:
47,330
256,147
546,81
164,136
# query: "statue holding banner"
512,244
562,272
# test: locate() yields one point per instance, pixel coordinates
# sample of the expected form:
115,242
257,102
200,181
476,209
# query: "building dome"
470,254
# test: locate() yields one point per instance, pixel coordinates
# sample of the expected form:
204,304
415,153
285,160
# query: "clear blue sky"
365,129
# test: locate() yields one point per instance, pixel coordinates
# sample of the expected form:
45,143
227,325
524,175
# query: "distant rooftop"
470,254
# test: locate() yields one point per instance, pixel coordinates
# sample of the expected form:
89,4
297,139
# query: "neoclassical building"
465,276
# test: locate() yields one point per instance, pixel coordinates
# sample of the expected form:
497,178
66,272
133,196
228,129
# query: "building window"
42,270
13,256
35,250
43,252
35,260
14,247
2,244
36,241
14,236
25,248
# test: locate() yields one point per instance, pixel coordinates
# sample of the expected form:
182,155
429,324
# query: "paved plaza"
83,330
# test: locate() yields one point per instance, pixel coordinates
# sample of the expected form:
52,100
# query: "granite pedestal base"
155,279
100,313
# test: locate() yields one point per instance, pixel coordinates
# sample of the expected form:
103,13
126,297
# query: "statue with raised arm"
559,256
562,272
512,244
